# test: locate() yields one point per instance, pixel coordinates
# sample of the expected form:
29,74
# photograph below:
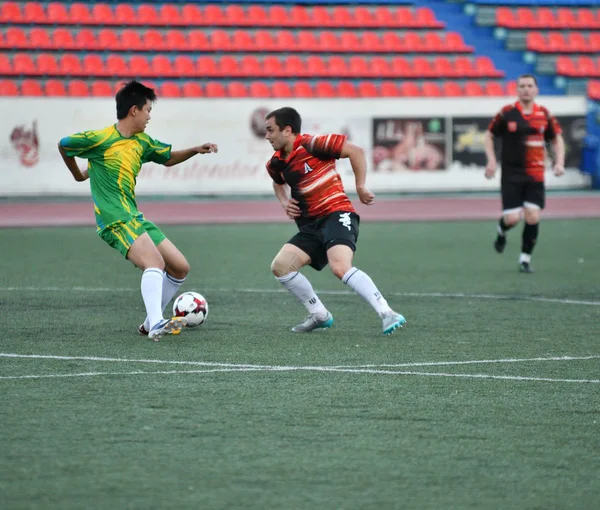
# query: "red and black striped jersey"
524,137
310,172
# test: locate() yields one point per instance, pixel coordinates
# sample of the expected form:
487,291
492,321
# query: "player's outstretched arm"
559,155
492,164
78,174
358,162
185,154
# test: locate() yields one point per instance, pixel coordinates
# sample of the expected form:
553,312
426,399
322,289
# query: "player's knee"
286,262
532,216
180,269
512,219
339,269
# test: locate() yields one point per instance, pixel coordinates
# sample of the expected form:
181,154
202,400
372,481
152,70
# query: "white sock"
170,287
525,257
152,282
300,287
361,283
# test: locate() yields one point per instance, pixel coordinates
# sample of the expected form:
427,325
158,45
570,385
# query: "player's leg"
341,234
512,206
286,266
533,205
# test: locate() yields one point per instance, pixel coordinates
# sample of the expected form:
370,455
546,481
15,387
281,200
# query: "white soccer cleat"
166,327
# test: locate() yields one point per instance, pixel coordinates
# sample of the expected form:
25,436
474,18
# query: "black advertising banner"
468,149
409,144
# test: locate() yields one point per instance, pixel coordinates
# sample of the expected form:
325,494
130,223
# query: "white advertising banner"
409,142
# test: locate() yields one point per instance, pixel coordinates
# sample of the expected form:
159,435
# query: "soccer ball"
192,306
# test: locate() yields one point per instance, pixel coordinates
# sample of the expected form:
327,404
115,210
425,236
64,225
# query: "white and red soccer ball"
192,306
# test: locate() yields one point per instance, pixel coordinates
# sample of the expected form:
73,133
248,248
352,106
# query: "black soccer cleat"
500,243
525,267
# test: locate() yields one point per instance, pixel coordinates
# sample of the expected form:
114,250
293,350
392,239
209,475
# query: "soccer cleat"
500,243
142,330
166,327
525,267
311,323
391,322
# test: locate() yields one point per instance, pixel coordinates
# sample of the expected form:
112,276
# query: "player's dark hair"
528,76
131,94
287,116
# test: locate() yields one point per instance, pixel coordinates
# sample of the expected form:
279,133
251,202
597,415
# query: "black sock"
503,227
530,234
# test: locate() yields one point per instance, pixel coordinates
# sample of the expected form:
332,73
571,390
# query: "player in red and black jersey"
304,165
524,128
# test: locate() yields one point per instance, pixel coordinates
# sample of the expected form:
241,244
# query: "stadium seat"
8,88
234,15
15,37
170,15
473,88
259,89
409,89
236,89
293,66
272,66
175,40
108,39
199,41
511,88
116,66
455,43
298,17
380,67
79,14
281,89
337,67
10,12
358,66
126,15
329,41
102,14
241,40
433,42
153,40
70,65
31,88
78,88
400,67
39,38
206,66
303,89
191,89
161,66
308,41
138,66
220,40
192,15
324,89
350,42
55,88
184,66
367,89
346,89
430,89
250,66
383,17
85,39
101,89
169,89
505,17
257,15
319,16
62,39
593,89
565,66
546,18
229,66
130,40
389,89
412,42
93,65
22,63
451,89
46,64
147,15
425,17
213,15
371,42
363,17
277,16
57,13
265,40
565,18
315,66
33,12
493,88
421,66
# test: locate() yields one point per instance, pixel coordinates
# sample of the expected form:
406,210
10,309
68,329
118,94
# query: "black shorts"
522,194
317,237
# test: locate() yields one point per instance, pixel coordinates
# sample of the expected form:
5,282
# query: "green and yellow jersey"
114,163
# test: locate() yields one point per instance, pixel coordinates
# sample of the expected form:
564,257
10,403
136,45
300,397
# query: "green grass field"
243,414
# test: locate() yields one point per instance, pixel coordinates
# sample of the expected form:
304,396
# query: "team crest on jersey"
512,126
307,168
25,142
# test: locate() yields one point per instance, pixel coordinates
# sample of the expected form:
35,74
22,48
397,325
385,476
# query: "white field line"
285,367
323,369
455,295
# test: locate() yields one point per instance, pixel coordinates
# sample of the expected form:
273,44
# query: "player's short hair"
131,94
528,76
287,116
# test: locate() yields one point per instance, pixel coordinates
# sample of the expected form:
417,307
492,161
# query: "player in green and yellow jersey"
115,156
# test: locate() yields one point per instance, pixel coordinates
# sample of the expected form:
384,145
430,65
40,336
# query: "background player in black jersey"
524,128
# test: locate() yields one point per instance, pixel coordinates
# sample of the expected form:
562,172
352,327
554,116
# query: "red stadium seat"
153,40
102,14
319,16
389,89
192,15
57,13
93,65
70,65
272,66
235,15
175,40
402,17
229,66
116,66
184,66
593,89
147,15
266,41
400,67
329,41
425,17
409,89
454,43
565,18
359,66
55,88
594,40
363,17
556,42
303,89
161,66
169,15
126,15
350,42
277,16
285,40
199,41
206,66
108,39
169,89
473,88
63,39
241,40
451,89
213,15
10,12
8,88
485,67
341,17
16,38
257,16
546,18
294,66
371,42
39,38
444,67
586,66
78,88
463,66
46,64
505,17
131,40
536,41
380,67
337,66
138,66
565,66
367,89
236,89
525,18
413,42
31,88
250,66
586,18
383,17
430,89
281,89
192,89
220,40
434,43
315,66
101,89
85,39
298,16
493,88
325,89
346,89
79,14
308,41
421,66
259,89
33,12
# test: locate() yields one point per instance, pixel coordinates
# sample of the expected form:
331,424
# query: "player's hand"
291,208
490,169
559,170
207,148
366,196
